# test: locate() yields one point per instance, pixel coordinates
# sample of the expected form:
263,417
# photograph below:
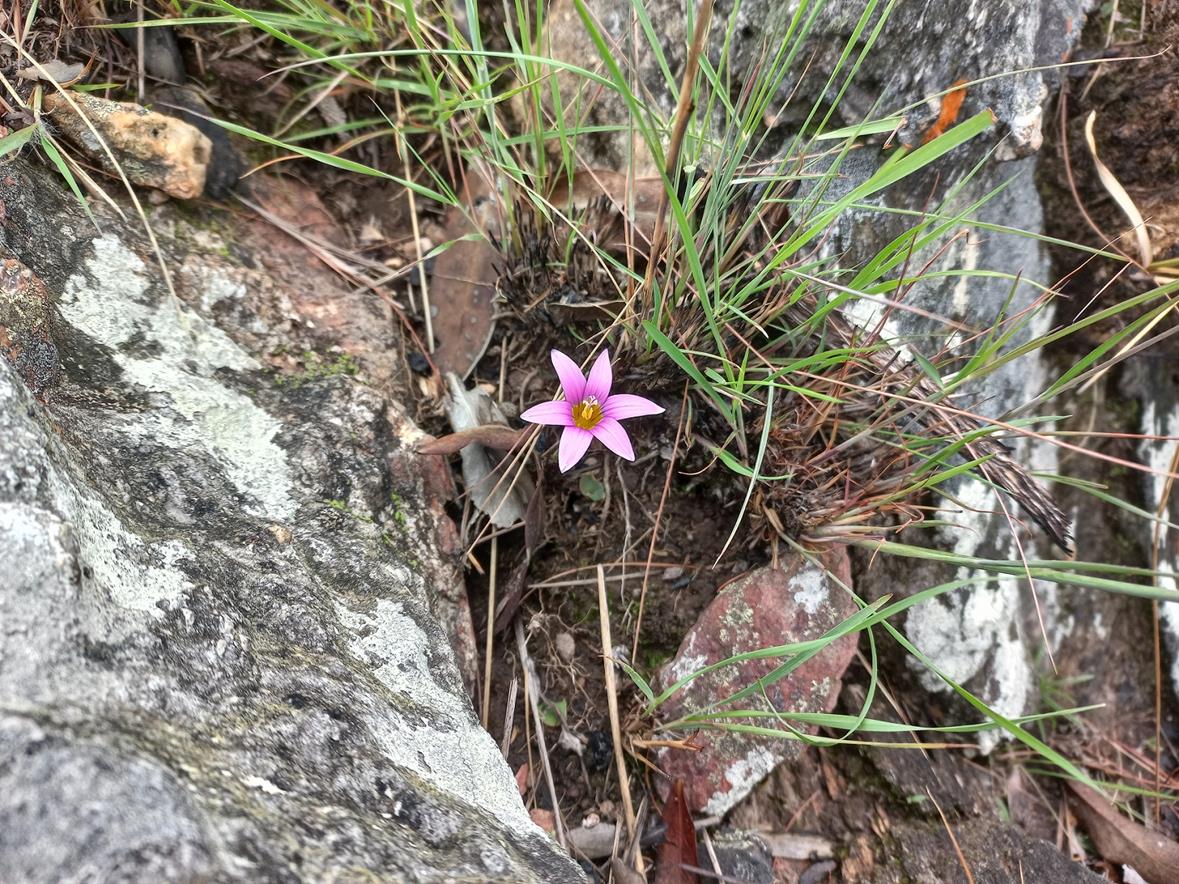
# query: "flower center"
587,413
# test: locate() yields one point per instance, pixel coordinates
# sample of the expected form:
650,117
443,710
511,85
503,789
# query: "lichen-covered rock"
795,602
152,149
922,49
217,655
983,636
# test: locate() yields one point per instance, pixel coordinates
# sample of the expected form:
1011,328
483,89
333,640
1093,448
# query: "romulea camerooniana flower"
589,410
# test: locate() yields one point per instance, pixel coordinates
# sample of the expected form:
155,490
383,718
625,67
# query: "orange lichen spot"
951,107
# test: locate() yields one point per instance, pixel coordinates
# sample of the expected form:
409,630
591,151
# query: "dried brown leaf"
54,71
679,844
513,586
462,286
494,436
624,874
1121,840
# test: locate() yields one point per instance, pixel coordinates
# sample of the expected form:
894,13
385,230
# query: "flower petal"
610,433
574,442
600,378
620,406
572,380
551,414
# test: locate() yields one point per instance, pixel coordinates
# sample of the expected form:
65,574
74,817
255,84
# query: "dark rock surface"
996,852
218,659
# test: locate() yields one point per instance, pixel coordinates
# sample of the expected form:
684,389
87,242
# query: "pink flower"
589,411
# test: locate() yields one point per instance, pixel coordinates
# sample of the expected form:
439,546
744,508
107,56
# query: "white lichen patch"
118,564
810,589
684,665
1159,455
975,629
461,760
165,348
967,254
972,630
742,775
262,784
216,286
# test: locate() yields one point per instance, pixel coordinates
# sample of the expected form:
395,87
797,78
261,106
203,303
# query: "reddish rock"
796,602
24,326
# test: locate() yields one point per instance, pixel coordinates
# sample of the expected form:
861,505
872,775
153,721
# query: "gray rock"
217,655
740,856
997,853
984,636
922,49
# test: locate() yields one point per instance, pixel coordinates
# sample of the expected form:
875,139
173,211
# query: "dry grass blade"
530,690
953,839
612,703
1114,187
1141,236
682,114
492,570
675,446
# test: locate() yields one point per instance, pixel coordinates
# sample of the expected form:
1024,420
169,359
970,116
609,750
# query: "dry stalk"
634,650
953,840
492,570
530,681
683,112
612,704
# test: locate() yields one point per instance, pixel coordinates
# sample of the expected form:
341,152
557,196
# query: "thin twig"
141,61
505,744
683,112
423,285
634,650
953,840
612,704
485,718
530,682
1155,548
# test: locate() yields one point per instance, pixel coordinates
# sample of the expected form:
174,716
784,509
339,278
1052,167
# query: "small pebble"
418,363
606,809
566,646
591,819
599,752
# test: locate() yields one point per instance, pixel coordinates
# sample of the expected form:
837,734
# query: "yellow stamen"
587,414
